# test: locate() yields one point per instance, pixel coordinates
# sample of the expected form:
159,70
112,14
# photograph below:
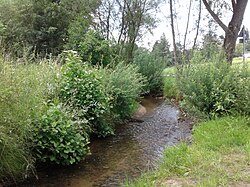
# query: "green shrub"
81,89
23,89
92,47
59,139
215,87
151,67
124,85
170,89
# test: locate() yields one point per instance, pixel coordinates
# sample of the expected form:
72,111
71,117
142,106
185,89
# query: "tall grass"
170,88
23,91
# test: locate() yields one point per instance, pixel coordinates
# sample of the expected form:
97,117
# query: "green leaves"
81,88
58,139
216,88
123,84
151,66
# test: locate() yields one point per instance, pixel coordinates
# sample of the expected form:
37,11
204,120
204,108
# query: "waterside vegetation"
219,155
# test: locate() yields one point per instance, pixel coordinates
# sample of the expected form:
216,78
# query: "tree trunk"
173,32
185,35
230,41
198,26
232,30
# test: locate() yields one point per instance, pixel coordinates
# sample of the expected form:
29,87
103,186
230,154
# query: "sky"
180,25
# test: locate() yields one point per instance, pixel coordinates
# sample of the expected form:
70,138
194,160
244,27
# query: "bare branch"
216,18
198,26
185,35
173,32
233,4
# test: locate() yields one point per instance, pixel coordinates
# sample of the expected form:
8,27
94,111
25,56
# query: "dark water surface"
136,148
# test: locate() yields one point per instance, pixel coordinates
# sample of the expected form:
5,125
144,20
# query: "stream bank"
136,148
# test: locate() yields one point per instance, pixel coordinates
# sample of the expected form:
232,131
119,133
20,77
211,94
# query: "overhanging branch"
216,18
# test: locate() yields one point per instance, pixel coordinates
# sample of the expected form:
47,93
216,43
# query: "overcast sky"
182,11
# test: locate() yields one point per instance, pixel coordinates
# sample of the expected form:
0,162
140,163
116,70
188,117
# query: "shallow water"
136,148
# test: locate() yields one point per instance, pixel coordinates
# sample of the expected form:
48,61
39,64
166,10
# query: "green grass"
23,88
239,60
218,156
170,89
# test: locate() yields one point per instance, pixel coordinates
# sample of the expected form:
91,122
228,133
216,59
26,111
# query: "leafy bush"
215,87
58,139
151,67
82,90
92,48
170,84
23,89
124,85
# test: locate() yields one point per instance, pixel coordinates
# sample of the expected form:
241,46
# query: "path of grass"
218,156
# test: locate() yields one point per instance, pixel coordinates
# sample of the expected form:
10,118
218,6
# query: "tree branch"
233,4
216,18
198,26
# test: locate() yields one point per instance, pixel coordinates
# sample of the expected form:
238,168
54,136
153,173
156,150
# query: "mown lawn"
238,60
219,156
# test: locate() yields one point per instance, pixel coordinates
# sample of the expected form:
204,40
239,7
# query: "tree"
185,35
41,25
231,31
197,26
161,50
173,31
125,21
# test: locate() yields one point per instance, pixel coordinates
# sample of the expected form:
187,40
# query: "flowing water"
136,148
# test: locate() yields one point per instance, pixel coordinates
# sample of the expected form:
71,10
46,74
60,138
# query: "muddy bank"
136,148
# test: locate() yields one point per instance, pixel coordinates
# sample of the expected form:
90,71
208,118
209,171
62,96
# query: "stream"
136,148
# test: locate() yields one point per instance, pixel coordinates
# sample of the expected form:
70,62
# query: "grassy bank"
218,156
49,110
220,151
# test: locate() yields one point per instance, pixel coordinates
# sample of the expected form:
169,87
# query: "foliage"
23,89
170,84
218,156
94,48
58,139
76,33
238,50
248,45
161,50
15,159
151,67
81,89
124,85
215,87
40,25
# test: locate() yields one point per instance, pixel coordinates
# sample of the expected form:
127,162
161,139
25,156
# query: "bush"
124,85
58,139
81,89
23,89
215,87
93,48
151,67
170,89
